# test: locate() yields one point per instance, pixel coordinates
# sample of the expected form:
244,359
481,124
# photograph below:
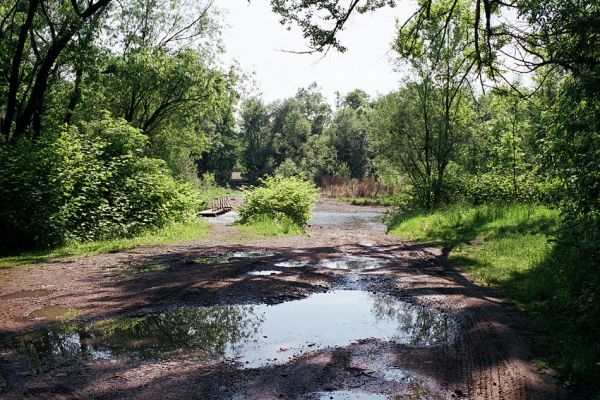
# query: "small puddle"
28,294
228,218
131,270
264,273
362,220
353,263
54,313
255,335
291,264
224,258
351,395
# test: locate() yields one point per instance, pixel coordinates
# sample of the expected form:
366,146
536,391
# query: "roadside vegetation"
278,206
169,234
522,252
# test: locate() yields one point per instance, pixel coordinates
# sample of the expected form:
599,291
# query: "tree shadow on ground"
185,282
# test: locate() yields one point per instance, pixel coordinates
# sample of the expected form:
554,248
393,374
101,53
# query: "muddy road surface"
347,312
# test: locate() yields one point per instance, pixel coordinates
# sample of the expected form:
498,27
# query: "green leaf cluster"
91,183
280,198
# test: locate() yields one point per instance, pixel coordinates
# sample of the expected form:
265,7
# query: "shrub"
280,198
86,184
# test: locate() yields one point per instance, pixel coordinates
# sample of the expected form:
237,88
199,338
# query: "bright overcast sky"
254,36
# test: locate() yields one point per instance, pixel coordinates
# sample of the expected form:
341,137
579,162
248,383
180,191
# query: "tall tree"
38,32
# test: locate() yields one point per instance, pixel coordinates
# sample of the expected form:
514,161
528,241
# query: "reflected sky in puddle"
353,263
27,294
254,335
351,395
291,264
223,258
264,273
224,219
362,220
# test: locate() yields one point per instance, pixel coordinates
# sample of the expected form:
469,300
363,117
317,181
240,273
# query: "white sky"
254,36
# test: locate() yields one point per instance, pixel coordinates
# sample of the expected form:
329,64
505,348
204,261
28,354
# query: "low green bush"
280,198
88,183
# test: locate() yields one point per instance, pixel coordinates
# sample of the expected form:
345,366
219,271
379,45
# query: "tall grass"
525,252
173,233
491,242
337,186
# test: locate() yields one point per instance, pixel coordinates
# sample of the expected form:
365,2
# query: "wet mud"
346,313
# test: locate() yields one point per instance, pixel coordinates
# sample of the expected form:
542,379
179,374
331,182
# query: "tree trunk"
75,96
15,80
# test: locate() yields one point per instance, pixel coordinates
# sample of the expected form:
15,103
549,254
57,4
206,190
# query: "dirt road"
347,312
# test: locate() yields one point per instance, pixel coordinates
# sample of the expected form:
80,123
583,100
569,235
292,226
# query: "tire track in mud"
487,360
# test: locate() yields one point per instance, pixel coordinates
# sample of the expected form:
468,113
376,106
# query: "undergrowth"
528,254
173,233
387,201
265,225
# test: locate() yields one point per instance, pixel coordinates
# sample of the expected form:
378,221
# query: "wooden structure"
220,205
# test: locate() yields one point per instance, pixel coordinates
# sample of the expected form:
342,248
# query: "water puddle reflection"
224,258
28,294
362,220
264,273
254,335
132,270
291,264
54,313
353,263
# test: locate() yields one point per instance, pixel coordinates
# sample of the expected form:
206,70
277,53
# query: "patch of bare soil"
487,359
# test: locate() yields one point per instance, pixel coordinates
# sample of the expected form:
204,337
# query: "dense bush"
86,184
498,188
280,198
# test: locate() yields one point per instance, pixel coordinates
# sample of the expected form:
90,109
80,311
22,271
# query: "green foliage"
289,137
175,232
545,265
88,184
348,137
386,201
280,198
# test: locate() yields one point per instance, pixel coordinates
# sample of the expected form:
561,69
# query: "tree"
427,123
560,32
258,140
38,33
349,136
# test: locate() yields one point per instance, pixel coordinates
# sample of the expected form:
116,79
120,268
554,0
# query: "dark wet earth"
351,337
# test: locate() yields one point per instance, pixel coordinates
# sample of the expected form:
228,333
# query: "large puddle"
224,258
362,220
27,294
254,335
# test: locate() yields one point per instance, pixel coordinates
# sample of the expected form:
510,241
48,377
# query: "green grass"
530,256
369,201
173,233
265,226
492,243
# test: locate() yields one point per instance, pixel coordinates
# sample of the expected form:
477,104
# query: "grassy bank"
369,201
493,244
520,251
170,234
